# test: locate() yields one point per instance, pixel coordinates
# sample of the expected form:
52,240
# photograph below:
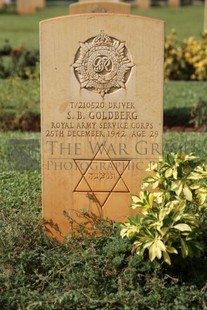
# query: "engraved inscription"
94,178
102,64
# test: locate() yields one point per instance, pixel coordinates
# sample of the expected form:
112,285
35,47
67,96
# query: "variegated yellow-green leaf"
202,195
149,180
155,184
177,186
135,198
162,214
137,247
194,176
159,197
167,258
161,245
190,157
156,249
151,199
187,192
175,173
134,206
147,244
182,227
164,230
184,248
171,250
168,172
153,252
194,186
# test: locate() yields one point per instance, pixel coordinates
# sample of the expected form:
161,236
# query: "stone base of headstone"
143,4
25,7
173,3
100,7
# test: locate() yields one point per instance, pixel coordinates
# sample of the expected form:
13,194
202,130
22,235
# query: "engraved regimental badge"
102,65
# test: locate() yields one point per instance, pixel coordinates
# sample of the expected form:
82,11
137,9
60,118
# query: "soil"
179,123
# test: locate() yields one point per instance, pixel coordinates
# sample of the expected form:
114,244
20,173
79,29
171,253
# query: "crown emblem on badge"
102,65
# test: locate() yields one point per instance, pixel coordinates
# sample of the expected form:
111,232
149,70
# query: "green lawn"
20,30
187,20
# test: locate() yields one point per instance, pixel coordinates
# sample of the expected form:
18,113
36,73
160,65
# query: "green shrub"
21,62
186,60
171,209
199,115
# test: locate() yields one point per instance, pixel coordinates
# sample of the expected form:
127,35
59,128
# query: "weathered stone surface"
205,15
39,4
101,104
173,3
96,0
143,4
100,7
25,7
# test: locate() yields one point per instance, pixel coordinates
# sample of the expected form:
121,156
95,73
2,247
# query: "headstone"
1,4
96,0
40,4
100,7
205,15
101,107
25,7
173,3
143,4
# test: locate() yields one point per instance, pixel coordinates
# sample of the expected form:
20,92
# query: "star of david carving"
101,176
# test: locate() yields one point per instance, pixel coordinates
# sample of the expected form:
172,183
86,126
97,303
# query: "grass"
24,30
20,30
187,21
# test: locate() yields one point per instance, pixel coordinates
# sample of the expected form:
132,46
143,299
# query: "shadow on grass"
177,117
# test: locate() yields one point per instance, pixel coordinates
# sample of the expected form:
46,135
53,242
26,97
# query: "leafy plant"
21,62
171,207
199,115
186,60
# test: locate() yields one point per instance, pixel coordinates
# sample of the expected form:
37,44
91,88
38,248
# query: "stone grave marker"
100,7
40,4
101,107
143,4
25,7
1,4
205,15
173,3
116,1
